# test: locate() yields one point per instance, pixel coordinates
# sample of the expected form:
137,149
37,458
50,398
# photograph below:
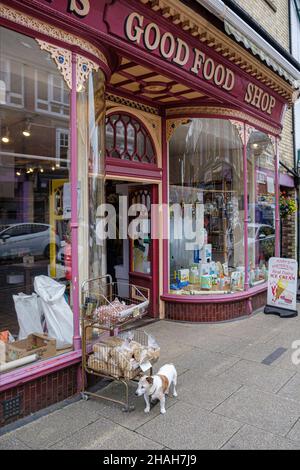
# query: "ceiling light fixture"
5,138
26,130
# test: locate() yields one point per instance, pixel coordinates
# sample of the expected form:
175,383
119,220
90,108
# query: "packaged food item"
215,281
225,283
219,268
183,275
236,280
225,269
206,282
204,269
194,275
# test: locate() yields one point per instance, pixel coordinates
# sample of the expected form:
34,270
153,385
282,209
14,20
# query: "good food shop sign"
148,35
151,37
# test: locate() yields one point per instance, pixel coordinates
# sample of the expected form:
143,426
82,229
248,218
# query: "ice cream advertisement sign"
282,286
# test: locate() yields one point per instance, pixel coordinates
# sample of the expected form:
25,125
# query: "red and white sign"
282,283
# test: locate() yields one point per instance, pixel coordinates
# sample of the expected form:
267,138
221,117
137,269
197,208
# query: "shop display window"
206,193
261,205
91,150
35,203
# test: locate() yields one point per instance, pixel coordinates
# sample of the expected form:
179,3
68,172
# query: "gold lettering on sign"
259,98
79,7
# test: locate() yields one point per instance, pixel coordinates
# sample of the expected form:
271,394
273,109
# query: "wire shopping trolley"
107,351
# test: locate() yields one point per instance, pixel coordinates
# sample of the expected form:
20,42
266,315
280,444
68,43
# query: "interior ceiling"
137,80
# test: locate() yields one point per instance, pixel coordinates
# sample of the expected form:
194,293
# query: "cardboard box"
34,344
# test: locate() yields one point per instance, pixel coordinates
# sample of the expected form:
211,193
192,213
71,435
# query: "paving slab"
185,426
205,362
205,392
258,352
252,438
265,377
292,388
267,411
102,434
213,341
56,426
294,433
248,332
9,442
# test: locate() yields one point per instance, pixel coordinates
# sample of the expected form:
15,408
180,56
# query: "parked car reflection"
27,239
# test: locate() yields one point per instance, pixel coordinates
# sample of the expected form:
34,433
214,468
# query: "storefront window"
206,194
91,145
261,206
35,211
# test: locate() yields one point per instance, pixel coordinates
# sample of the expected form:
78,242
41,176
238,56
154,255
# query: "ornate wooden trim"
213,110
186,19
84,67
62,58
240,127
273,142
131,103
172,125
36,25
249,130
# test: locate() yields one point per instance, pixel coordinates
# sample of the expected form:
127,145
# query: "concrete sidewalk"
237,389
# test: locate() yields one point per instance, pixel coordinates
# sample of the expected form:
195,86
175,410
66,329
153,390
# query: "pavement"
238,388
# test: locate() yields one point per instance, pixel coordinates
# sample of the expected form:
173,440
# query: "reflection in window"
35,198
261,206
206,171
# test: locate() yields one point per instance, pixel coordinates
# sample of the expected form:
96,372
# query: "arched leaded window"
128,139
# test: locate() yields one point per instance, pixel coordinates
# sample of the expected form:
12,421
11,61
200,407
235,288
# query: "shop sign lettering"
259,98
177,50
80,8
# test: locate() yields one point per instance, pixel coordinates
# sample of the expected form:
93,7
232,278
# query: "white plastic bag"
58,315
29,314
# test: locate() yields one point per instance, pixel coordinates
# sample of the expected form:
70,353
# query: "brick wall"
41,392
288,234
214,312
286,147
274,22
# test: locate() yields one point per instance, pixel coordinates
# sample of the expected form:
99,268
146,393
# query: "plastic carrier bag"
29,314
58,315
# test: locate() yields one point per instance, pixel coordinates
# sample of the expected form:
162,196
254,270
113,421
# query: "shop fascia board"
219,9
198,27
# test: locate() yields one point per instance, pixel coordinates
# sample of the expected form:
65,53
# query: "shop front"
127,103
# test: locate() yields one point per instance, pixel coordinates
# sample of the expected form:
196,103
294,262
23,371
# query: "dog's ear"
149,380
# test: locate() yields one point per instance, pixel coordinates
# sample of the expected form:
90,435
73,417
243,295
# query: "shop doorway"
133,260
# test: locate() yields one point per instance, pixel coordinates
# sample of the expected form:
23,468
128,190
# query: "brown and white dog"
157,386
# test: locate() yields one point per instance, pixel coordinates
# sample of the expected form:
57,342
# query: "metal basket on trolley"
103,305
120,357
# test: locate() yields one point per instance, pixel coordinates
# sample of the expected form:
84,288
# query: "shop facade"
150,101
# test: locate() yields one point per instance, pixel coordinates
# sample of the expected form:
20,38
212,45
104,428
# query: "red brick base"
41,392
213,312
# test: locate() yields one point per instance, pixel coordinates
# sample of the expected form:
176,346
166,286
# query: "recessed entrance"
133,259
